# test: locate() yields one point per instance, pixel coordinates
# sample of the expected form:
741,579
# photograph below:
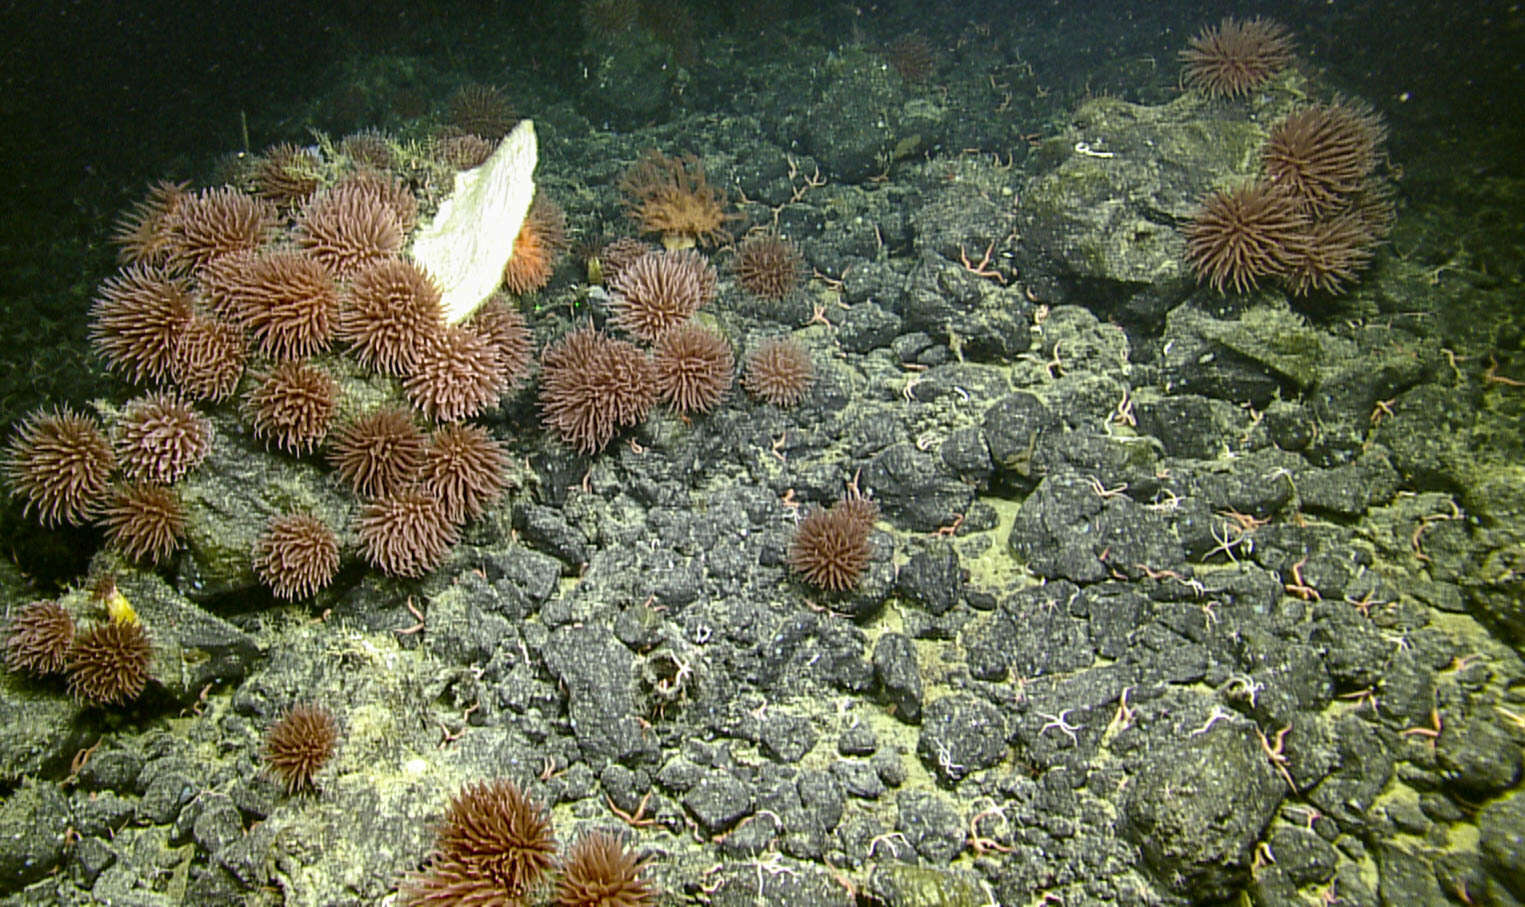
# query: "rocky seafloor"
1175,597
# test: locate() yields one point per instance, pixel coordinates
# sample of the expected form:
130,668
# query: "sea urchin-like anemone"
661,290
779,371
591,386
393,306
830,548
1322,155
142,233
208,359
292,406
286,174
137,319
144,521
108,664
768,266
494,845
38,639
378,453
500,322
456,374
289,303
407,533
1244,234
693,367
296,556
299,744
1338,248
347,227
464,470
60,463
1235,56
216,222
160,438
600,871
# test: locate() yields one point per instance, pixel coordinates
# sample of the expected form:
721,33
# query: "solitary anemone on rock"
1235,56
779,371
300,744
830,547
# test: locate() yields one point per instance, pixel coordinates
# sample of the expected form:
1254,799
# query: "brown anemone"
215,222
768,266
347,227
779,371
1235,56
661,290
142,233
1240,236
299,744
392,308
494,845
289,303
209,359
600,871
378,453
144,521
60,463
830,548
292,406
109,663
296,556
159,438
1322,155
456,374
693,367
407,533
464,469
1337,249
591,386
286,174
482,110
38,638
136,320
499,321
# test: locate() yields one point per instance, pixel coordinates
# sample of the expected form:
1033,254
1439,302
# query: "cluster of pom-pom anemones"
496,846
276,302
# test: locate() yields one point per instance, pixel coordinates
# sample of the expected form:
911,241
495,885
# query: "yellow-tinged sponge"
471,238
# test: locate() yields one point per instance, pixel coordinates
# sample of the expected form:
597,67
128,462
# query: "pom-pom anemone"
60,463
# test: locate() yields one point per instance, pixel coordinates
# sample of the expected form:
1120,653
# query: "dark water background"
99,99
